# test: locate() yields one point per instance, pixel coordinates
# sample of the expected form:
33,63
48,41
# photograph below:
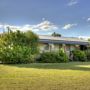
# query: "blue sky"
69,17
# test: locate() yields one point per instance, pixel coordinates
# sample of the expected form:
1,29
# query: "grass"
41,76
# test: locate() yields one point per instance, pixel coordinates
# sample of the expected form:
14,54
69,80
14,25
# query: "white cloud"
88,20
84,37
68,26
43,26
72,2
1,26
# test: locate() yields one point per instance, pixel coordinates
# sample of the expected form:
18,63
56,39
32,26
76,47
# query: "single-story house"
51,43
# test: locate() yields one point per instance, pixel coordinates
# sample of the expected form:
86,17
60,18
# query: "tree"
56,34
28,38
32,40
18,47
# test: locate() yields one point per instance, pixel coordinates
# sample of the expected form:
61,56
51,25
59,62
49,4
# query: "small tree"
56,34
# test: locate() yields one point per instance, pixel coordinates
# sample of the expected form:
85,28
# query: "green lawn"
64,76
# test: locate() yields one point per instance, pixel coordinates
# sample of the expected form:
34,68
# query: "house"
51,43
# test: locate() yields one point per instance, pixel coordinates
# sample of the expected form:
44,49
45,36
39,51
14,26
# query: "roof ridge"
62,38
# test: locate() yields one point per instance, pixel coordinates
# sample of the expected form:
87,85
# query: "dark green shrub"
79,55
53,57
16,55
62,57
47,57
88,55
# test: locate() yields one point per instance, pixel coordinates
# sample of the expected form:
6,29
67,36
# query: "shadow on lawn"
83,66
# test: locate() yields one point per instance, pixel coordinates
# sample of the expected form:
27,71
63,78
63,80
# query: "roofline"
61,40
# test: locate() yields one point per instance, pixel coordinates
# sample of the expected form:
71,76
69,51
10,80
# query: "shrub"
62,57
16,55
79,55
47,57
88,55
53,57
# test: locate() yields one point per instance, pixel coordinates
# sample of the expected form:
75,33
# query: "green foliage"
56,34
79,55
47,57
19,38
88,55
53,57
14,55
32,41
62,57
18,47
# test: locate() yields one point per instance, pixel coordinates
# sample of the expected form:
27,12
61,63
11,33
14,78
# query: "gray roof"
62,40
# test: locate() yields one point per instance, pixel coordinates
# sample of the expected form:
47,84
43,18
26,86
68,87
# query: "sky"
71,18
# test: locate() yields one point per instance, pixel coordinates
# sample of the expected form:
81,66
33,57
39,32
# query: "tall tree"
18,38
